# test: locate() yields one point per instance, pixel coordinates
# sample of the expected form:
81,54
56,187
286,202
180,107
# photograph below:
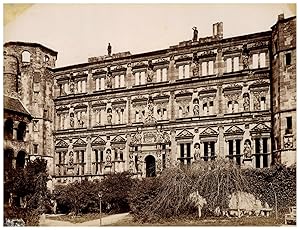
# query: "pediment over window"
119,101
260,128
98,141
79,142
79,106
184,134
234,130
207,90
183,93
259,84
99,72
118,139
209,132
62,108
98,104
233,87
61,144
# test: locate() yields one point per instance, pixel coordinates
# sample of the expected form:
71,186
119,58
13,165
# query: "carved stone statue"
195,34
247,149
196,110
72,87
71,159
197,152
195,65
109,118
108,157
109,49
108,78
245,57
150,72
72,120
246,103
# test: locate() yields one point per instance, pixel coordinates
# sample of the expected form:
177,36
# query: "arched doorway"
20,161
150,166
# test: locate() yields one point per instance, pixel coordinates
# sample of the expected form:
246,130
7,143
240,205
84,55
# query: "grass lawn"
210,221
77,219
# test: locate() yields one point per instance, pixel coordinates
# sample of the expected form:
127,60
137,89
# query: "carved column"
89,115
173,155
129,106
89,152
261,152
201,149
172,106
221,151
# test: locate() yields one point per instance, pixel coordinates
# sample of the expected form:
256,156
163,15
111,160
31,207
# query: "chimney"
220,29
280,17
215,29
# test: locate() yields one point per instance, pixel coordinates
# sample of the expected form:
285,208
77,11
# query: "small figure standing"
195,35
109,49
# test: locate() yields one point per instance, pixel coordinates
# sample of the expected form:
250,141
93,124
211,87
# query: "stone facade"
202,99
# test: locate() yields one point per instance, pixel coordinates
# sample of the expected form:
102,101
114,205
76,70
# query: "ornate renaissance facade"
202,99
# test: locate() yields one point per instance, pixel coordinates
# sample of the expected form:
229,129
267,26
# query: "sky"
80,31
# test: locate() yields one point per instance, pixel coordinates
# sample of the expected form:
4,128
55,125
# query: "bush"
77,197
115,189
278,180
142,195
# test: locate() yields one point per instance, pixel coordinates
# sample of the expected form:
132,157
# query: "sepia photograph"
136,114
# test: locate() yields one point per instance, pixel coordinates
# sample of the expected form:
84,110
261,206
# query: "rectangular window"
143,78
158,75
262,60
212,149
181,150
289,125
205,151
265,145
96,156
137,78
164,74
121,155
236,64
101,156
83,83
180,72
204,68
164,160
117,82
230,150
210,68
238,152
102,83
79,87
186,71
228,65
255,61
262,103
97,84
35,148
66,88
257,161
257,146
122,80
188,149
288,58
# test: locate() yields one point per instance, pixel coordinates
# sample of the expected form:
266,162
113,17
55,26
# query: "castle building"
202,99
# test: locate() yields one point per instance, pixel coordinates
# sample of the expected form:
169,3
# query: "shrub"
142,195
115,189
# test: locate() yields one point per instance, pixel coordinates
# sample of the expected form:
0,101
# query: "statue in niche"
108,78
245,57
246,103
150,106
72,85
197,154
150,72
108,157
109,116
195,34
71,159
72,120
196,110
195,65
247,149
109,49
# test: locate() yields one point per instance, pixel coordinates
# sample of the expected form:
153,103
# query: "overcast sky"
79,31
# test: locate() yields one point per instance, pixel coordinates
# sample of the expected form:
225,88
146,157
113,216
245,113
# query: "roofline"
283,20
163,51
33,44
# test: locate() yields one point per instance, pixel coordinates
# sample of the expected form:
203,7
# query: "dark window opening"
35,148
238,152
257,161
288,58
101,156
8,129
181,150
136,162
265,161
289,126
20,161
121,155
188,153
164,160
257,146
265,145
21,131
205,151
230,152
